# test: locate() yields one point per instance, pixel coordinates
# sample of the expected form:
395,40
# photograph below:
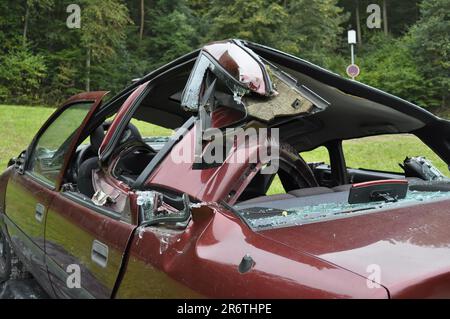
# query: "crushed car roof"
267,82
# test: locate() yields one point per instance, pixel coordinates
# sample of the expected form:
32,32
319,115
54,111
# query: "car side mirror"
12,161
18,162
156,208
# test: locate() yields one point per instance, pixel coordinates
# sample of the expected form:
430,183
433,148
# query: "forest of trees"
42,61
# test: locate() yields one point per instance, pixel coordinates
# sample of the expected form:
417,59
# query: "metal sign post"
352,50
352,69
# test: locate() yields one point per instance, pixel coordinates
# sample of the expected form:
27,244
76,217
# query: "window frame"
376,170
32,148
95,98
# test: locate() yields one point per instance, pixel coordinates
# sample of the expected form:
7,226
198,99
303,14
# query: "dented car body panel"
202,184
220,243
417,234
139,221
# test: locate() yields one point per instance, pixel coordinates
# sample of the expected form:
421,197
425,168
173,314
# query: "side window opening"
385,153
276,187
135,152
367,159
130,156
318,160
139,143
317,156
373,163
298,172
48,155
153,135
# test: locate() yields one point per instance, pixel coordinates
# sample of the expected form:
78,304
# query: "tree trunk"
385,19
358,24
88,69
25,25
141,30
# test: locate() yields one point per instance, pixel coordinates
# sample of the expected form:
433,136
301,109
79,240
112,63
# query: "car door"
33,184
86,242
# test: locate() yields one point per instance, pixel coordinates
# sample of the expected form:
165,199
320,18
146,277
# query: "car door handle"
39,212
99,253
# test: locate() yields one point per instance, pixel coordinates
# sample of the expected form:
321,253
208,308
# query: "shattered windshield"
298,211
227,74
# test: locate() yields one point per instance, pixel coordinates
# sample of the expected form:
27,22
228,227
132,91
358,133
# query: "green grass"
147,129
382,153
20,123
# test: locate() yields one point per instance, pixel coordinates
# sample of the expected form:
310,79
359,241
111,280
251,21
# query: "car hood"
406,250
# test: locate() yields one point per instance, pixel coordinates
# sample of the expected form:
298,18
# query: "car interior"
134,155
319,182
133,152
348,117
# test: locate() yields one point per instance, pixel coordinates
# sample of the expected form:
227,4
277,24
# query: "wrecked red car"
93,209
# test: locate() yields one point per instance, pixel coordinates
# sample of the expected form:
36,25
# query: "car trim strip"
84,201
40,181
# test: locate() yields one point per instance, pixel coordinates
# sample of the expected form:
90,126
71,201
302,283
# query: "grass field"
20,123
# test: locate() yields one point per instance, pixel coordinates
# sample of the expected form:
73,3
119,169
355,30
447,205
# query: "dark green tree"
43,61
171,31
102,30
430,46
21,76
315,28
387,64
260,21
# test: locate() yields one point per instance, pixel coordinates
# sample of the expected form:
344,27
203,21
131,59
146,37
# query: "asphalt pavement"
22,289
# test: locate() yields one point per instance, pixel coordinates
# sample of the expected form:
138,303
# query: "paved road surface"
22,289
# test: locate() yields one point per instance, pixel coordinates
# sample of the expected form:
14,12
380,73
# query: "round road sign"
353,70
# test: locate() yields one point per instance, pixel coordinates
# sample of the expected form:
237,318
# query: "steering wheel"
130,134
294,172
